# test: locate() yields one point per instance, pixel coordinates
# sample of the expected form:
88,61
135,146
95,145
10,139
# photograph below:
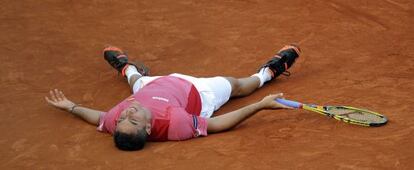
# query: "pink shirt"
175,107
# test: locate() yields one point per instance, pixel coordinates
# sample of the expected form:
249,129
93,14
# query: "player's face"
133,118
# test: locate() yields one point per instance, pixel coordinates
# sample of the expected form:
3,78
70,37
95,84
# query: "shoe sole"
292,46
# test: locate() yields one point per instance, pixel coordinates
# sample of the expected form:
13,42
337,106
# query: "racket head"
350,115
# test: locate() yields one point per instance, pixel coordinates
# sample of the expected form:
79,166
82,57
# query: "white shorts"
214,91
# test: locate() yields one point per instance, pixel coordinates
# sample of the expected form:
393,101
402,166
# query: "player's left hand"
58,99
269,102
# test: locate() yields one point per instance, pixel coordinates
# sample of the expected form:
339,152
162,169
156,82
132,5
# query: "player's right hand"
58,99
269,102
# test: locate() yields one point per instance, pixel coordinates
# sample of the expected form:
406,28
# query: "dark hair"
130,142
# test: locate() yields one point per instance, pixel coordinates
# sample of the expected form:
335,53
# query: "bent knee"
235,85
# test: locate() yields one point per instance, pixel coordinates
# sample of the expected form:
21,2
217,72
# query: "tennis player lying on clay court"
176,106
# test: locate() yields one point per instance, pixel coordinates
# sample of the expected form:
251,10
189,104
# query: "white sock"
264,75
130,71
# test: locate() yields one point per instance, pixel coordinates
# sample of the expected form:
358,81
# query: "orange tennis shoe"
119,60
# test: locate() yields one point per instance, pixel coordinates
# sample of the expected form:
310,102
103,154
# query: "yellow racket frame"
321,110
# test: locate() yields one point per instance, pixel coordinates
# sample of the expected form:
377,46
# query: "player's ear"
148,128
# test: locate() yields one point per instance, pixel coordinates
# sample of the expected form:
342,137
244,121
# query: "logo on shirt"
160,98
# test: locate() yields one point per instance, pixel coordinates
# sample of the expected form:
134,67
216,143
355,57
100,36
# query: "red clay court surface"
355,52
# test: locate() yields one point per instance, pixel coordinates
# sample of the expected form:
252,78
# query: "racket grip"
289,103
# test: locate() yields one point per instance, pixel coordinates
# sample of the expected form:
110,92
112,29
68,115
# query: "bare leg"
243,86
279,64
132,80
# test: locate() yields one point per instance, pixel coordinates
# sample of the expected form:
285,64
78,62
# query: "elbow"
215,126
212,126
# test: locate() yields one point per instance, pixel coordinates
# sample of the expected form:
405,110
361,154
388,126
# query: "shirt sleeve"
101,126
185,126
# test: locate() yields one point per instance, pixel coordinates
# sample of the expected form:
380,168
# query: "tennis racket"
347,114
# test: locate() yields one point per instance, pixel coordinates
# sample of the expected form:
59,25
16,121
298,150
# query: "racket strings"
358,115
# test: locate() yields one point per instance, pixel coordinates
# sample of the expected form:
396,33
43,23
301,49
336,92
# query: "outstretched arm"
229,120
58,99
